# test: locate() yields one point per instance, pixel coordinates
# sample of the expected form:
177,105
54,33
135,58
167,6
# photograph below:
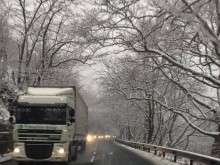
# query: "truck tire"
74,156
83,146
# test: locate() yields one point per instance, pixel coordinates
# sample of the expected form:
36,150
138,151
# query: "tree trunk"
3,61
150,122
145,129
19,77
216,146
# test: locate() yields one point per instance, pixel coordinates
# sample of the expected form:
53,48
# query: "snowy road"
108,152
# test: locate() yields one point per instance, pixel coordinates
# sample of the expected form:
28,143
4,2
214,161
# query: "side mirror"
71,113
12,119
72,119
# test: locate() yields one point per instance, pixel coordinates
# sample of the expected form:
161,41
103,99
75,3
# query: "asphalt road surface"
105,152
109,153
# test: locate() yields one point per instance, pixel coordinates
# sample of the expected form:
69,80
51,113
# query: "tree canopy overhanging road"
155,65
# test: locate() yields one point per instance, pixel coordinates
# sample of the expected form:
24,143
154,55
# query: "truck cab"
46,125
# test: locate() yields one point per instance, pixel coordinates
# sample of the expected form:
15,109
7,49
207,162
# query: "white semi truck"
50,123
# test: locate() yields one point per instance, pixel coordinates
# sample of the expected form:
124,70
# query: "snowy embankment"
4,114
158,159
5,157
154,158
173,155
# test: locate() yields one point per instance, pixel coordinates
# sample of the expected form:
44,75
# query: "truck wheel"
74,157
83,146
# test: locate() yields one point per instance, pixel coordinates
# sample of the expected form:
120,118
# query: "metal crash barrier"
191,156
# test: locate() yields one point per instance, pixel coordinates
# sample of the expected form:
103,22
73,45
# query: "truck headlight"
61,151
17,150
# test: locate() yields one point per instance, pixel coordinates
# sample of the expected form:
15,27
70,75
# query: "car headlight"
89,138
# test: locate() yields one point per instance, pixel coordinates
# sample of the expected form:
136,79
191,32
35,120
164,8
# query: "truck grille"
38,150
39,131
39,135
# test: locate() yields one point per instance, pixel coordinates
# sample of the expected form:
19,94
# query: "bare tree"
181,38
138,84
47,40
4,37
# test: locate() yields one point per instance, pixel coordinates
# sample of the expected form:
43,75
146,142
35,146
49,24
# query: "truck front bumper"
59,153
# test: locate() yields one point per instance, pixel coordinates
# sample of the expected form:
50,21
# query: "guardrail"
193,157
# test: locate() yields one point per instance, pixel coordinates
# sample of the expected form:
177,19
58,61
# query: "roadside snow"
5,157
149,156
4,114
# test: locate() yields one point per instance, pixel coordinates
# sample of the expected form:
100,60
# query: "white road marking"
92,160
111,153
93,157
96,147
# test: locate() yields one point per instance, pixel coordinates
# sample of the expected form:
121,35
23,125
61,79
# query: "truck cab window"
40,115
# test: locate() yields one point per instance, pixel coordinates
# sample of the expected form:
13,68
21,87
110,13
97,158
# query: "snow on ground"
156,159
5,157
4,114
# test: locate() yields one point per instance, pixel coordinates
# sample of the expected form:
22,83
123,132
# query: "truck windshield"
40,115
